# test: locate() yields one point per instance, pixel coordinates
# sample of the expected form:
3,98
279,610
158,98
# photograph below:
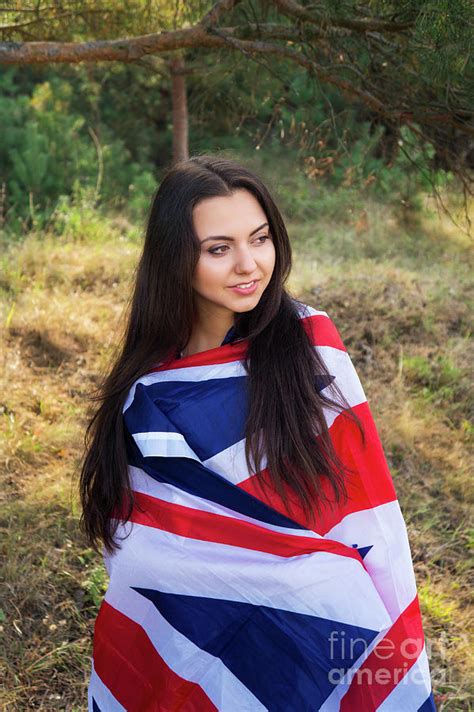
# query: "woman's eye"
218,250
214,251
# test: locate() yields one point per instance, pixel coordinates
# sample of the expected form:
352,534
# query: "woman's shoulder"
319,325
306,310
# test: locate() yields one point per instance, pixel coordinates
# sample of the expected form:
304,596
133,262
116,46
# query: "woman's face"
236,248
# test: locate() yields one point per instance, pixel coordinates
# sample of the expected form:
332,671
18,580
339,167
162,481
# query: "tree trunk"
180,109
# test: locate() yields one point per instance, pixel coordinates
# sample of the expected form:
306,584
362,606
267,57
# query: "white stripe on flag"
305,310
163,444
339,364
389,561
307,583
231,463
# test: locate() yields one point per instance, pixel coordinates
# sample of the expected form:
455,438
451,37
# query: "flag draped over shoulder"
217,600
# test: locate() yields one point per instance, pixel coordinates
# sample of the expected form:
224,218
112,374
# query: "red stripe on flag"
207,526
142,682
322,331
388,663
370,486
221,354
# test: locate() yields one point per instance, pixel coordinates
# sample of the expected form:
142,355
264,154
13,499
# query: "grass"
401,297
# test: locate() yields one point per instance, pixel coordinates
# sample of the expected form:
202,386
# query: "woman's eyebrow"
226,237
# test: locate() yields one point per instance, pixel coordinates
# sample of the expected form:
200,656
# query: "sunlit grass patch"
440,381
95,584
436,604
51,262
452,229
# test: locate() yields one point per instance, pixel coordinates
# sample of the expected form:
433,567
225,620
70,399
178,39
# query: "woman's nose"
245,262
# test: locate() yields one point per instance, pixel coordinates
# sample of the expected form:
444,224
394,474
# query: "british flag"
217,600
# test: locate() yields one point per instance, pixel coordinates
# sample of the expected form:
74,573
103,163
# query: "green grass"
401,295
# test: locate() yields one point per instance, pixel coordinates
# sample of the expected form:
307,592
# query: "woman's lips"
246,290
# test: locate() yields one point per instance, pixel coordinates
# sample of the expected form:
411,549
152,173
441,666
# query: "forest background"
366,140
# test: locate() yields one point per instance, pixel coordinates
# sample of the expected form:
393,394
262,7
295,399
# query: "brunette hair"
285,421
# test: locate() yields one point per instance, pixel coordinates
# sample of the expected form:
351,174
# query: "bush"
50,153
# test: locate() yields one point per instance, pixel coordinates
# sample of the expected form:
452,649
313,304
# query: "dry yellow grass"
408,330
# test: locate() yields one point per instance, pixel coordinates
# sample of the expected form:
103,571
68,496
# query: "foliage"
49,150
394,63
106,129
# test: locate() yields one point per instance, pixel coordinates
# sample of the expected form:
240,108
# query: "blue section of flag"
230,336
95,706
210,414
363,550
288,660
321,382
428,705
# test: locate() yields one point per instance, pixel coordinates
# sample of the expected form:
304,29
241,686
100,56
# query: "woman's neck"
207,336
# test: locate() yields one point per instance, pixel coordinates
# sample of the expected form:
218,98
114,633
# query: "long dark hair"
285,419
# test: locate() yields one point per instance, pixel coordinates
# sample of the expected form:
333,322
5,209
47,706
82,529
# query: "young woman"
257,555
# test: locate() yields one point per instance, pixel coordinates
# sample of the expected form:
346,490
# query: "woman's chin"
244,304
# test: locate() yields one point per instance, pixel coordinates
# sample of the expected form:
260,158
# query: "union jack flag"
217,600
